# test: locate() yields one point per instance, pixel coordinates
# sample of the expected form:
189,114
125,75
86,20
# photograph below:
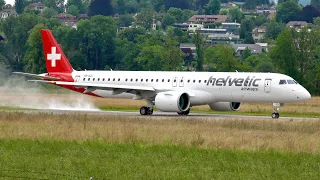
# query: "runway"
162,115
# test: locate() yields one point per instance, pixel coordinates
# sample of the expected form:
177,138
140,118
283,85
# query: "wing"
93,86
38,76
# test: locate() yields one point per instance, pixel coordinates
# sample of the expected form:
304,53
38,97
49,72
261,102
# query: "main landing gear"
275,114
146,110
184,113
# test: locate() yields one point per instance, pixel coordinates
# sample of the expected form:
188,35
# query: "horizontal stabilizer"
39,76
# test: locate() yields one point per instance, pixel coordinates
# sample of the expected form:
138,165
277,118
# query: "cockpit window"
291,82
283,82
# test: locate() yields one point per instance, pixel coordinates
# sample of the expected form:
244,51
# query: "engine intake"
225,106
172,101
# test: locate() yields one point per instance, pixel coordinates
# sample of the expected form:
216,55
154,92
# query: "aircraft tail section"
56,61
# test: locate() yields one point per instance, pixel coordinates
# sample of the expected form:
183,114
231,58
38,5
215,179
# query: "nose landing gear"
275,114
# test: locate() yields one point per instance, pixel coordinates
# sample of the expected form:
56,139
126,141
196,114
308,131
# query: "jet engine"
172,101
225,106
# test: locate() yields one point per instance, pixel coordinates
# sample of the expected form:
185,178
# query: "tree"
48,12
177,14
220,58
273,29
145,18
246,28
288,11
2,3
78,3
261,19
19,5
182,4
315,3
167,20
73,10
57,5
100,7
126,20
33,59
309,12
285,54
131,34
198,41
213,7
235,14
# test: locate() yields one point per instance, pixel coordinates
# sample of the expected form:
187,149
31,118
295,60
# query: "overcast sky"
9,2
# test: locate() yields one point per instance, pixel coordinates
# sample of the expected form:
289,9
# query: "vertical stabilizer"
55,59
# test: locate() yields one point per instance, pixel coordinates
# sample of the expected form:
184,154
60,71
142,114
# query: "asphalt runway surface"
162,115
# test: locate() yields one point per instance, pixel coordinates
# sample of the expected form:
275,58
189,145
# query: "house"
227,5
297,25
188,49
227,38
7,11
208,19
67,19
231,27
265,10
182,26
254,48
258,33
36,6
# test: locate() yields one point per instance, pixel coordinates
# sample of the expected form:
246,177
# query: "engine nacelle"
225,106
172,101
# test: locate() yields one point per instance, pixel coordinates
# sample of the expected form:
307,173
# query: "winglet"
55,59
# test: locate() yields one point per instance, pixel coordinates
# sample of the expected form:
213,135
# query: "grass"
27,159
80,146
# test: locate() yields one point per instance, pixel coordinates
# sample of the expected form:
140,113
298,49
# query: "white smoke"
17,92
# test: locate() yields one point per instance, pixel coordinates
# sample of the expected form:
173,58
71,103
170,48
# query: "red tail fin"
56,61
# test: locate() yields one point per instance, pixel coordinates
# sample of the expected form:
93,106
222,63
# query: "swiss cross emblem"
53,57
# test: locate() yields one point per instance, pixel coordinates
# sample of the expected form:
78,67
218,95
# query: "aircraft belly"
108,94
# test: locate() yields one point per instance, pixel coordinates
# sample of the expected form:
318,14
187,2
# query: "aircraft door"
77,78
181,82
174,82
267,85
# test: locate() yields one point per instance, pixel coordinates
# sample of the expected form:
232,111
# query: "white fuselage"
203,87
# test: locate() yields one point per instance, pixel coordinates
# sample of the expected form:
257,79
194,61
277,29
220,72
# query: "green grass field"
49,159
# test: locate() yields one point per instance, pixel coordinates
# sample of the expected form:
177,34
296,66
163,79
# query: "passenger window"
119,79
141,80
93,79
108,79
136,80
131,80
89,79
175,80
199,81
103,79
147,80
194,81
205,81
98,79
168,80
157,80
151,80
188,80
283,82
84,79
162,80
114,79
126,80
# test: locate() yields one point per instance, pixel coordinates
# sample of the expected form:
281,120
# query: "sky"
9,2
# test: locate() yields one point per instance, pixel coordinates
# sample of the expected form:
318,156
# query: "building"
208,19
7,11
188,49
223,39
265,10
254,48
67,19
297,25
231,27
258,33
182,26
36,6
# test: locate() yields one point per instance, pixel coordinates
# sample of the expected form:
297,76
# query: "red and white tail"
56,61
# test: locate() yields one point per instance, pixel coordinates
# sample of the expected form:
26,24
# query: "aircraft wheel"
275,115
143,110
184,113
150,111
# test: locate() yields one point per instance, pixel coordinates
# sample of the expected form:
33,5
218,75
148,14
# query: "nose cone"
305,95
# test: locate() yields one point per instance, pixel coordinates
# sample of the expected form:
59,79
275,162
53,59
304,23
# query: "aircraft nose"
305,95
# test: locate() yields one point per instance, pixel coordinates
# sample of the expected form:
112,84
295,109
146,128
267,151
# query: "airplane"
170,91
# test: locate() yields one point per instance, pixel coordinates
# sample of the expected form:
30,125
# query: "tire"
143,111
